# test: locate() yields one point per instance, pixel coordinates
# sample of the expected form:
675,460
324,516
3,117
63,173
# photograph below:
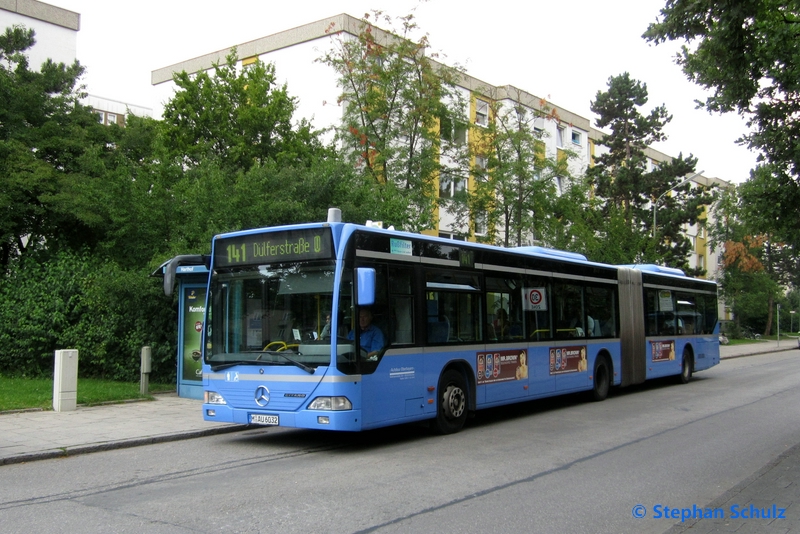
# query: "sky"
562,51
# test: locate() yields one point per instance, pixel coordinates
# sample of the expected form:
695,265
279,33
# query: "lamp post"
655,204
791,314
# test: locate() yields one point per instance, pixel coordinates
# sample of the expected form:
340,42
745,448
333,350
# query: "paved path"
37,435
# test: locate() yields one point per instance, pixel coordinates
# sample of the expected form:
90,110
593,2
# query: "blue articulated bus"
347,327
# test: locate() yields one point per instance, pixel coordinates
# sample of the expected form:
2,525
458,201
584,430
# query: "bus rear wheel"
602,380
451,413
686,368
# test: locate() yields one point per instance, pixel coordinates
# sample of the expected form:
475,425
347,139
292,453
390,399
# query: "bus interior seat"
438,331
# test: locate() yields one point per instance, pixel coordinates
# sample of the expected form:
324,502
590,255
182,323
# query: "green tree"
241,117
515,185
50,149
763,199
746,53
630,188
756,261
395,97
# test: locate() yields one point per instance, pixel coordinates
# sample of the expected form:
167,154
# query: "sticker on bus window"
663,351
534,299
567,360
502,366
665,300
400,246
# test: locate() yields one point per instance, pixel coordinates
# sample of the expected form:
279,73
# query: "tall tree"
746,54
516,181
763,199
632,189
51,148
394,97
242,117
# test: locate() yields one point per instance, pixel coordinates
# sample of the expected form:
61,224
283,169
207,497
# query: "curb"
758,353
122,444
729,495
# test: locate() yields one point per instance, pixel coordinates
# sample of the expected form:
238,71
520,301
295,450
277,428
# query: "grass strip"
26,393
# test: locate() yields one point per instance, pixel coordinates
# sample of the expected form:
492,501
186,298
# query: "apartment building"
296,52
56,29
111,111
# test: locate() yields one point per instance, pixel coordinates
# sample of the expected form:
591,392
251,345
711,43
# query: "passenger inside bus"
500,324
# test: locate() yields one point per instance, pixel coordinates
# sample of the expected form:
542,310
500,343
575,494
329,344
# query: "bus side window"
651,312
569,310
600,306
452,307
402,306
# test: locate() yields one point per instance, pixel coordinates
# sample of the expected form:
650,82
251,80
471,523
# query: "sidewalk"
38,435
758,347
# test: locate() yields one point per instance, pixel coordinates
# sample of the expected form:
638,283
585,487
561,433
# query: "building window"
560,137
576,137
481,167
111,118
450,186
481,113
480,223
101,117
453,131
447,235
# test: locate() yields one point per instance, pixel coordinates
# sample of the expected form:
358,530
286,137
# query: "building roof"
44,12
344,23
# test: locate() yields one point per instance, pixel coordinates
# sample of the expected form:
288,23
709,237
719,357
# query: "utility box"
191,281
65,381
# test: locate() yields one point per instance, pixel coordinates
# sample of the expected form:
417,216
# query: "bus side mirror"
366,286
170,268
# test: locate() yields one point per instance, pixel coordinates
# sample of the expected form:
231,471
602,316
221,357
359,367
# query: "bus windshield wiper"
225,365
304,367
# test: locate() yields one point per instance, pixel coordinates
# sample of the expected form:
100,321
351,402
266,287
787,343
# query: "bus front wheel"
453,405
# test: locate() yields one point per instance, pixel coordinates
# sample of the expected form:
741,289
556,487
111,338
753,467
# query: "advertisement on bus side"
567,360
502,366
663,351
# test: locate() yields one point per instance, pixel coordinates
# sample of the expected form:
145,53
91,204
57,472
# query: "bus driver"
370,336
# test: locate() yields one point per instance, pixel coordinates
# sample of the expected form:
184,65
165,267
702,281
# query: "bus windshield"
270,315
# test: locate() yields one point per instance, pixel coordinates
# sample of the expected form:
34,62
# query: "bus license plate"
260,419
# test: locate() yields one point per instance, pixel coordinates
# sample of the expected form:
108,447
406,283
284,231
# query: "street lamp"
655,204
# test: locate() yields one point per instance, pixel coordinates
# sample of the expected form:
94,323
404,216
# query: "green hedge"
64,300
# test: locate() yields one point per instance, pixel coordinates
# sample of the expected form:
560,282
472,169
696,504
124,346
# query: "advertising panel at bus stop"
193,303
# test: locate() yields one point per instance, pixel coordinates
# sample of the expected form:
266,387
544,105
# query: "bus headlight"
212,397
331,404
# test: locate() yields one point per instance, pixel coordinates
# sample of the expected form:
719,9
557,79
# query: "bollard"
144,383
65,381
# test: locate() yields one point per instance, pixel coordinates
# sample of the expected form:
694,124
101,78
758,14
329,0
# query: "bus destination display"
274,247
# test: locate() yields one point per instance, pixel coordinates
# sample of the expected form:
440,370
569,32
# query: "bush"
76,301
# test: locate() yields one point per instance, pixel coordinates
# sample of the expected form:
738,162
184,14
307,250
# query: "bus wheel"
602,379
686,368
451,414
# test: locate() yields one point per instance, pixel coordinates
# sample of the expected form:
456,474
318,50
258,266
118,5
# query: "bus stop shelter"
189,275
